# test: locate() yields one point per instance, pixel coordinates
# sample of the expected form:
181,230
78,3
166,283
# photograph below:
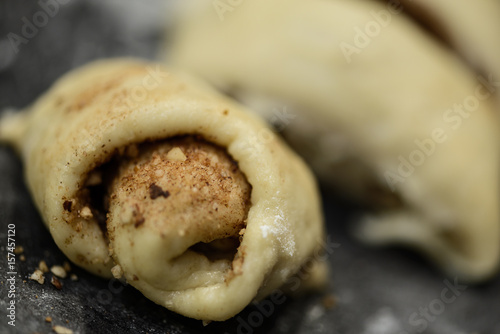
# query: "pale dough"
382,111
105,110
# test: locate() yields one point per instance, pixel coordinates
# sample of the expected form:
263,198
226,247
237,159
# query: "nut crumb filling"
186,190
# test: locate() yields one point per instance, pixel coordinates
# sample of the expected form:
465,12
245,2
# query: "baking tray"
371,291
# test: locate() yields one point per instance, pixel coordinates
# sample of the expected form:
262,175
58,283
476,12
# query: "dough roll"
378,108
153,176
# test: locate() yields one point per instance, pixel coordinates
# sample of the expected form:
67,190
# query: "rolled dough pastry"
380,110
148,173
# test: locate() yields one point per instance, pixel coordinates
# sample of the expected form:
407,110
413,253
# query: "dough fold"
377,107
149,173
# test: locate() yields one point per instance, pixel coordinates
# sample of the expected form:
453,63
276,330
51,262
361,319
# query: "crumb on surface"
18,250
48,319
73,277
22,258
117,271
58,271
86,213
37,276
176,154
62,330
56,282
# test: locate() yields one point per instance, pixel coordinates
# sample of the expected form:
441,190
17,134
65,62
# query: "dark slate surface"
377,291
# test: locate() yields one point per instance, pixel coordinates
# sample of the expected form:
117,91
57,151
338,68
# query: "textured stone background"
376,290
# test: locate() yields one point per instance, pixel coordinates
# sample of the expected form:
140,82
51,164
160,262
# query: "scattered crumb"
329,301
22,257
117,271
43,266
73,277
18,250
62,330
48,319
176,154
86,213
36,296
58,271
206,322
55,282
67,266
38,276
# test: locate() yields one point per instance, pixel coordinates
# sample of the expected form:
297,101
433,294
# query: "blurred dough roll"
377,107
152,175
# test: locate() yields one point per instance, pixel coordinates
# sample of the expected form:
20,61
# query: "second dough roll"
379,109
152,175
